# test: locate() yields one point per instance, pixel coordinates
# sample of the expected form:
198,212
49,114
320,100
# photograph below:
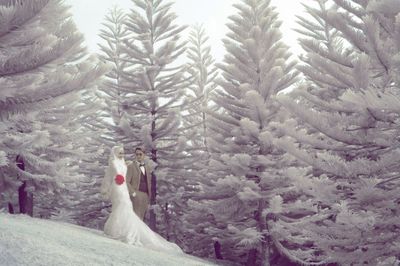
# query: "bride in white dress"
123,223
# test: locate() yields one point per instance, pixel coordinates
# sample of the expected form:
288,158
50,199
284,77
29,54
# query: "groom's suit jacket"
133,177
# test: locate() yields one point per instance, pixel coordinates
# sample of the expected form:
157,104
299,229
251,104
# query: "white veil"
115,166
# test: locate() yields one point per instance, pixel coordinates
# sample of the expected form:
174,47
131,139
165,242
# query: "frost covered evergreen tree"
201,72
43,66
104,125
155,86
245,166
87,207
348,132
113,93
60,198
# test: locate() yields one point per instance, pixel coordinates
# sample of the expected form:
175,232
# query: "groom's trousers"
140,203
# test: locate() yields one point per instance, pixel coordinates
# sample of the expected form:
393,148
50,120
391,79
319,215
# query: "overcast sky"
89,14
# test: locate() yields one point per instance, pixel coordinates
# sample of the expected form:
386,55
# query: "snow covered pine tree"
155,84
245,166
349,130
42,68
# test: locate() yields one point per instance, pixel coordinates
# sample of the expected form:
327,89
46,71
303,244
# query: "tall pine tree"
245,166
105,125
43,66
348,130
154,89
202,73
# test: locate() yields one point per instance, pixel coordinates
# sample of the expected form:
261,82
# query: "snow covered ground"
31,241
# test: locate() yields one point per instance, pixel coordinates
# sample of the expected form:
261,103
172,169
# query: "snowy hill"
31,241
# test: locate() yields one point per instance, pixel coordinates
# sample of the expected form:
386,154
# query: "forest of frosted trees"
264,158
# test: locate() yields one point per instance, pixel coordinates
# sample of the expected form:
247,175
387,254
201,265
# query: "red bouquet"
119,179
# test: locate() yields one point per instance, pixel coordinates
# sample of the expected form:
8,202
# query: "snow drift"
31,241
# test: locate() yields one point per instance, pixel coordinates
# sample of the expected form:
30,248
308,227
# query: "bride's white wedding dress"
123,223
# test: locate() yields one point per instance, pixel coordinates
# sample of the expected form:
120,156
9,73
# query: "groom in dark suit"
138,179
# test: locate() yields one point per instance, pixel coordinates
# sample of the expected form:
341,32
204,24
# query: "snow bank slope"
31,241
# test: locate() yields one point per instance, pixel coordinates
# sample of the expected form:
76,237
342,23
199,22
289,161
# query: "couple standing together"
129,189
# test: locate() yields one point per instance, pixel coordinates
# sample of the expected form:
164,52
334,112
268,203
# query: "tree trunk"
205,128
252,257
152,218
262,226
167,224
217,250
10,208
25,200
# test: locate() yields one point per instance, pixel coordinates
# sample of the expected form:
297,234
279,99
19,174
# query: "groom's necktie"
142,168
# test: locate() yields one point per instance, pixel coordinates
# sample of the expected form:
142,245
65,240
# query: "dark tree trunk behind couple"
25,198
152,214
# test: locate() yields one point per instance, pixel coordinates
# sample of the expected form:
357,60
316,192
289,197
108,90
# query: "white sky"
89,14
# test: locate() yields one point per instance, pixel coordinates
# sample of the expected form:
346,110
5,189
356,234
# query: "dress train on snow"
123,223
